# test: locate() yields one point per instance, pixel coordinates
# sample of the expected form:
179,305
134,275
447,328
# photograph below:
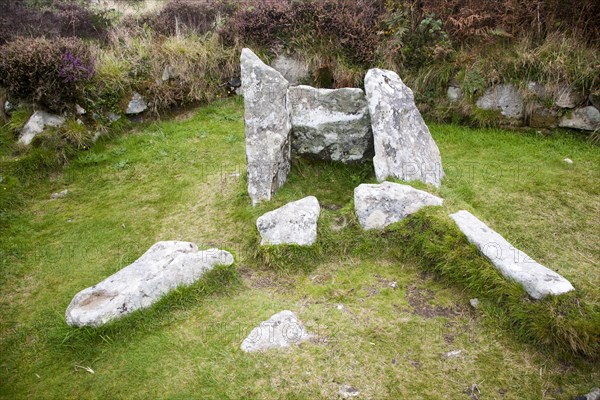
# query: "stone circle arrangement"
346,125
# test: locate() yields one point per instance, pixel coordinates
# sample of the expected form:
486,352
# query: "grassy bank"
179,180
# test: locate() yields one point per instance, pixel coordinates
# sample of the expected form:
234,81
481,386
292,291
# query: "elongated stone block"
537,280
164,267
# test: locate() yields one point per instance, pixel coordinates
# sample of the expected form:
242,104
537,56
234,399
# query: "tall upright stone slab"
404,148
268,125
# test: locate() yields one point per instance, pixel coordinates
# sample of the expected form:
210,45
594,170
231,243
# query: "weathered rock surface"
331,124
281,330
36,124
566,97
268,127
404,147
377,206
542,117
295,71
504,98
585,118
164,267
294,223
537,280
454,93
594,394
59,195
347,391
137,104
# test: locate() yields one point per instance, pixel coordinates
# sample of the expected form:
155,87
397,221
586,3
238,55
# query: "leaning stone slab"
377,206
280,331
504,98
585,118
537,280
294,223
36,124
404,148
331,124
164,267
268,126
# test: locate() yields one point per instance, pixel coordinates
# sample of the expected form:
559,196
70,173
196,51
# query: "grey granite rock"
537,280
504,98
137,104
585,118
164,267
292,69
267,125
37,123
404,147
377,206
331,124
280,331
294,223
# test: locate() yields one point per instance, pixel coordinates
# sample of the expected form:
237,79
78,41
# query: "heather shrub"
198,16
466,20
50,73
54,18
263,24
352,26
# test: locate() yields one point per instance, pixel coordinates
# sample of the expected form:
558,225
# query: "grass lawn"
183,179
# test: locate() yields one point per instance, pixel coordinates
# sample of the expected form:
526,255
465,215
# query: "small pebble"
568,161
453,354
347,391
59,195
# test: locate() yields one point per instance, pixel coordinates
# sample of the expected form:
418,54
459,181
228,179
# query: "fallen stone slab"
37,123
280,331
267,125
331,124
377,206
404,148
537,280
164,267
294,223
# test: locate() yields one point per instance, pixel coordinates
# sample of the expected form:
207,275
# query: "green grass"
178,180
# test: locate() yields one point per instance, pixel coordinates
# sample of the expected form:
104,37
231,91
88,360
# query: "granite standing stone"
268,127
404,148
